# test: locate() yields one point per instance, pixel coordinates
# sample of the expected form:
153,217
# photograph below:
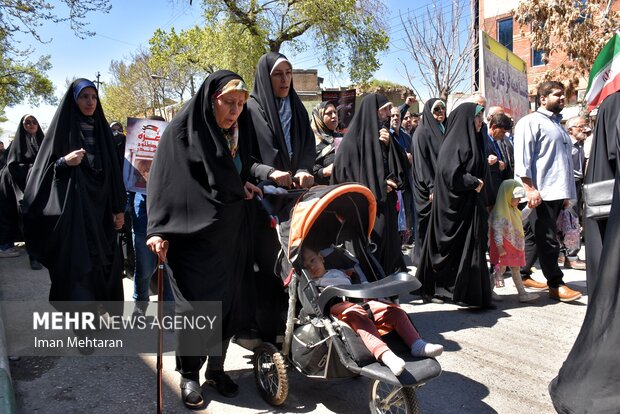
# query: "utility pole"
475,22
97,82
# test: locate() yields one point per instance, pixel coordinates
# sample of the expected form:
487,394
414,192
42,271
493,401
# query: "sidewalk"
499,361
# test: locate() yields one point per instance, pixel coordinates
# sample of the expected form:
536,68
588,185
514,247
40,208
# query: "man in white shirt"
543,162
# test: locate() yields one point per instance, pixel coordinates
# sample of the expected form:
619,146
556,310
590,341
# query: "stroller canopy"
324,213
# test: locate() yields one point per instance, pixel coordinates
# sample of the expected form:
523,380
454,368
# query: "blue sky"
131,23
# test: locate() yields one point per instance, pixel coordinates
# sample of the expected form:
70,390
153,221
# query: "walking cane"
160,314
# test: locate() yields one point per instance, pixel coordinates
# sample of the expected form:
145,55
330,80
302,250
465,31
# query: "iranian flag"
605,73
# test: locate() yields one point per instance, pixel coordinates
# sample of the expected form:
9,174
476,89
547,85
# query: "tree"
578,29
346,34
440,48
19,16
131,91
175,57
23,79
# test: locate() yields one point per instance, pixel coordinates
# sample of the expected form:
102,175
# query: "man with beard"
543,162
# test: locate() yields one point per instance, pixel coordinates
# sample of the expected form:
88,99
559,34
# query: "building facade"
497,19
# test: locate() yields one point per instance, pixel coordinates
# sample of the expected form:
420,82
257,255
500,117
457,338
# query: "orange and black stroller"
317,344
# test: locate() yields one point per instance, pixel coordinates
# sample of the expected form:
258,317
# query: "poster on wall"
142,139
503,78
344,101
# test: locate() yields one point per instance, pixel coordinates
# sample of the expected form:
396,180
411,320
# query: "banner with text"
503,78
344,101
142,139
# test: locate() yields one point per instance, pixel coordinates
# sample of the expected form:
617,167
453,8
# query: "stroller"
316,343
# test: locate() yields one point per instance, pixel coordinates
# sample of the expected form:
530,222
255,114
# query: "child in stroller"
369,319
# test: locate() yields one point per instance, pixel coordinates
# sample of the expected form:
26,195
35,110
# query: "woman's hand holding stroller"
158,246
250,189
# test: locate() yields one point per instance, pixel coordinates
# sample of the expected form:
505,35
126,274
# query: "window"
504,32
537,57
581,5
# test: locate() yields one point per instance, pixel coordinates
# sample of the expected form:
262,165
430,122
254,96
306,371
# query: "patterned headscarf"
232,133
506,219
321,131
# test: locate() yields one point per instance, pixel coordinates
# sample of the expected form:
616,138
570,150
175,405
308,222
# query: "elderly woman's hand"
304,179
281,178
158,246
250,189
75,157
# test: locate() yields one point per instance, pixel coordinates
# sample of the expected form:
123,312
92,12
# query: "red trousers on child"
387,317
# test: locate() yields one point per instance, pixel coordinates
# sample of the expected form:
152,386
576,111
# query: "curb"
7,393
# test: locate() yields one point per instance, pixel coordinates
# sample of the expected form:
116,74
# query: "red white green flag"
605,73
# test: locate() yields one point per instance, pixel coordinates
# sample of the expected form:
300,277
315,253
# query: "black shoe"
222,383
191,394
431,299
35,265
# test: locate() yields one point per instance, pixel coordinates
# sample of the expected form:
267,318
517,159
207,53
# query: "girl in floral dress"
507,244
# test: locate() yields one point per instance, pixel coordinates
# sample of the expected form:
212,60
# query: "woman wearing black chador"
19,159
74,201
453,251
368,156
198,187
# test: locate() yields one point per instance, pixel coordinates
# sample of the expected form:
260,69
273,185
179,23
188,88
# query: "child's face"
515,202
313,263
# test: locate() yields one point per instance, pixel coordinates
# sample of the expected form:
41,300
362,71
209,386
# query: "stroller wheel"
386,398
270,374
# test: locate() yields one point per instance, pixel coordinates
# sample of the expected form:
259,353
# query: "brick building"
307,84
496,18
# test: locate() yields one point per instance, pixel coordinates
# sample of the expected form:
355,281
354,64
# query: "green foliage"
131,91
346,35
28,16
20,78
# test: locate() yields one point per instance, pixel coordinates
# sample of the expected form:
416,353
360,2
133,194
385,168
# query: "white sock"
420,348
393,362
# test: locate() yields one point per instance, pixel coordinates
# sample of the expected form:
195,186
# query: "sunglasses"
439,109
29,122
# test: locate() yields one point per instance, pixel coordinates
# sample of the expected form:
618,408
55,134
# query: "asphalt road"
498,361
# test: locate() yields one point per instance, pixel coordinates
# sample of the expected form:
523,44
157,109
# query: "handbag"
597,199
568,227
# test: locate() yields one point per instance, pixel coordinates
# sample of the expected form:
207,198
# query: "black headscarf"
425,145
362,158
68,211
194,168
21,155
271,150
601,167
455,244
